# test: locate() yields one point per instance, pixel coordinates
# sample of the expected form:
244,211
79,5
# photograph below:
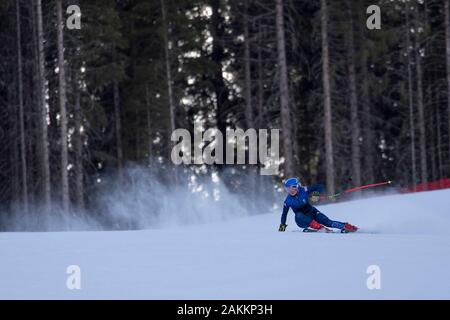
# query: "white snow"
245,258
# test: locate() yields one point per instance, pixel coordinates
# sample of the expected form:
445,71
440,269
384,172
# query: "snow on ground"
245,258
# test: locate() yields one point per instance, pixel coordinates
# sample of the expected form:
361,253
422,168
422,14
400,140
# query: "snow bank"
415,213
244,258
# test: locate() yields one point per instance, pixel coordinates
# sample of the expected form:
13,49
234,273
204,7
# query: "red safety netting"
434,185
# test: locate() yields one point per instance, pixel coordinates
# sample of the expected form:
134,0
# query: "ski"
323,230
307,230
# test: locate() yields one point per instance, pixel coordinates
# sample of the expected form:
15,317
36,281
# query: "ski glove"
314,197
282,227
334,197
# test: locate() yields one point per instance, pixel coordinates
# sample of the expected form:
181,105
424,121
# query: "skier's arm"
315,188
314,192
284,216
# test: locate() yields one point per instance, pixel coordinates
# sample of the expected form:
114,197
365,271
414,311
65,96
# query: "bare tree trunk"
439,139
149,129
447,55
411,106
327,99
356,165
34,118
168,67
78,144
168,78
12,145
260,81
248,79
62,110
284,91
421,117
367,120
221,91
23,154
44,141
32,176
138,135
118,119
261,119
431,128
365,104
250,123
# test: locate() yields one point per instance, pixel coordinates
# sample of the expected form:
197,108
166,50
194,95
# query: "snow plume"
146,200
39,218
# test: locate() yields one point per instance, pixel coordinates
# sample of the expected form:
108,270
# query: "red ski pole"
367,186
334,196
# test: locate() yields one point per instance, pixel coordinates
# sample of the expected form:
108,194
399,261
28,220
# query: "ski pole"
368,186
334,196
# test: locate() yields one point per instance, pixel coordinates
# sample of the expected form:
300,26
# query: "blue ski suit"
304,211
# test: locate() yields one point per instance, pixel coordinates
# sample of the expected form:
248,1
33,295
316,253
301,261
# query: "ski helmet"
292,182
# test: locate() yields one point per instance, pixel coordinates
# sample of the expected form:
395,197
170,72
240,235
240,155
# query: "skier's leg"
303,221
327,222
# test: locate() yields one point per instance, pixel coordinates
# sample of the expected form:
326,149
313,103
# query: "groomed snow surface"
407,237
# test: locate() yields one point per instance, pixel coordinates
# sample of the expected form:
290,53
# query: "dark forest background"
354,106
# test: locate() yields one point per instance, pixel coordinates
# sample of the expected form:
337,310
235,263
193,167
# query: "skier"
308,217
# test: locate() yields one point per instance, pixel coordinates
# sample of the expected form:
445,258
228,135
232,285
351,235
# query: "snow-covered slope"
245,258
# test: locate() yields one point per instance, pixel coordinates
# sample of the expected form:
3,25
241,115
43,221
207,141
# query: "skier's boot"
316,227
349,228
